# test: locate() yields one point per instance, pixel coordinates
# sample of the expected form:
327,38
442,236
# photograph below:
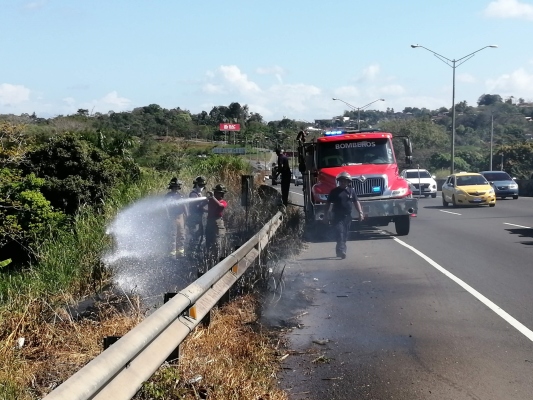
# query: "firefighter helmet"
175,183
220,188
344,176
199,181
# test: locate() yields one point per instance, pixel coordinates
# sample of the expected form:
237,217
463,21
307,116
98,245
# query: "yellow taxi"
467,189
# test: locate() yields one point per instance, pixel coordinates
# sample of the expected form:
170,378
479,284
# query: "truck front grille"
370,187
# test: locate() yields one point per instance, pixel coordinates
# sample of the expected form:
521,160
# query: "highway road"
443,313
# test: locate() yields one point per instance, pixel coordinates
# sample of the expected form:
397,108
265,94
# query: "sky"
282,58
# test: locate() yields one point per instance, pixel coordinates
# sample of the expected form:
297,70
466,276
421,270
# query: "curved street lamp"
454,64
358,109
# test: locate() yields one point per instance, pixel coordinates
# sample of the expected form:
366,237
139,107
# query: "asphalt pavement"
443,313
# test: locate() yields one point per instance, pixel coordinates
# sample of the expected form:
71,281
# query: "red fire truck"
368,156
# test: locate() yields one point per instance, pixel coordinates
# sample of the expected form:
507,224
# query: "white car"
421,181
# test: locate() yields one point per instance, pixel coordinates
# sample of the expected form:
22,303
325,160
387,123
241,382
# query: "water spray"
141,233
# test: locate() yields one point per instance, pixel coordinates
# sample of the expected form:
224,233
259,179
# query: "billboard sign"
230,127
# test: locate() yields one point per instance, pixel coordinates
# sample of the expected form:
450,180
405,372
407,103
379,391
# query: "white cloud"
509,9
300,99
211,89
238,80
13,94
517,83
371,72
113,99
274,70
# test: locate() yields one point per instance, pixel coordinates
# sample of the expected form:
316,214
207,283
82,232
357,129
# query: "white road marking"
450,212
520,226
301,194
508,318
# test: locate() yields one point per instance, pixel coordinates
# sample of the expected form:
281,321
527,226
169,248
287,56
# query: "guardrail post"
206,320
173,357
109,340
225,299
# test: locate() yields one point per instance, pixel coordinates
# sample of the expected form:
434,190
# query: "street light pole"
358,109
454,64
491,136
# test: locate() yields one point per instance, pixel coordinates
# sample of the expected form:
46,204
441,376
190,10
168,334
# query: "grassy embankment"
40,343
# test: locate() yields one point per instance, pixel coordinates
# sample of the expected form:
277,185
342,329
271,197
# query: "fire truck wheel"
402,224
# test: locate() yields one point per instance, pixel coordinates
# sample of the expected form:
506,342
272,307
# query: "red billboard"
230,127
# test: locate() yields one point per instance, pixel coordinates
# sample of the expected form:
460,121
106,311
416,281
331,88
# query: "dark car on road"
504,186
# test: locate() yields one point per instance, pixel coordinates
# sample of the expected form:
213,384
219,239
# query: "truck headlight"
322,197
400,192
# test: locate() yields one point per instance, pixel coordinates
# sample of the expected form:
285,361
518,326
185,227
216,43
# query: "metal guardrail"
118,372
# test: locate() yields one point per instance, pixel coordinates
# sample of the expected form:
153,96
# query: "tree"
76,172
443,161
426,137
517,159
26,216
489,99
12,144
462,107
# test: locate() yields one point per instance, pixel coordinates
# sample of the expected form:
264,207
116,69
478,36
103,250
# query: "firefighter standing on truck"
343,199
176,213
215,230
284,170
197,209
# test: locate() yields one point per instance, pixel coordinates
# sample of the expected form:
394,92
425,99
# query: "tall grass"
69,267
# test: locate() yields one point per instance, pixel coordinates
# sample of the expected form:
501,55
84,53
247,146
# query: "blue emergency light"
333,133
376,189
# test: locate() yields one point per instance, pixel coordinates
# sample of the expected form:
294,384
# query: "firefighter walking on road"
195,216
215,230
343,199
177,213
284,170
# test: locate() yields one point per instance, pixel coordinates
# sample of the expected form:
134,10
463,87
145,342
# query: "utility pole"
491,136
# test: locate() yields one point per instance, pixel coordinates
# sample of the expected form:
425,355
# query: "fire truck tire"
402,225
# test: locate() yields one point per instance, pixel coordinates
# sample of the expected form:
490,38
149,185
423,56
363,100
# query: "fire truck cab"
368,156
